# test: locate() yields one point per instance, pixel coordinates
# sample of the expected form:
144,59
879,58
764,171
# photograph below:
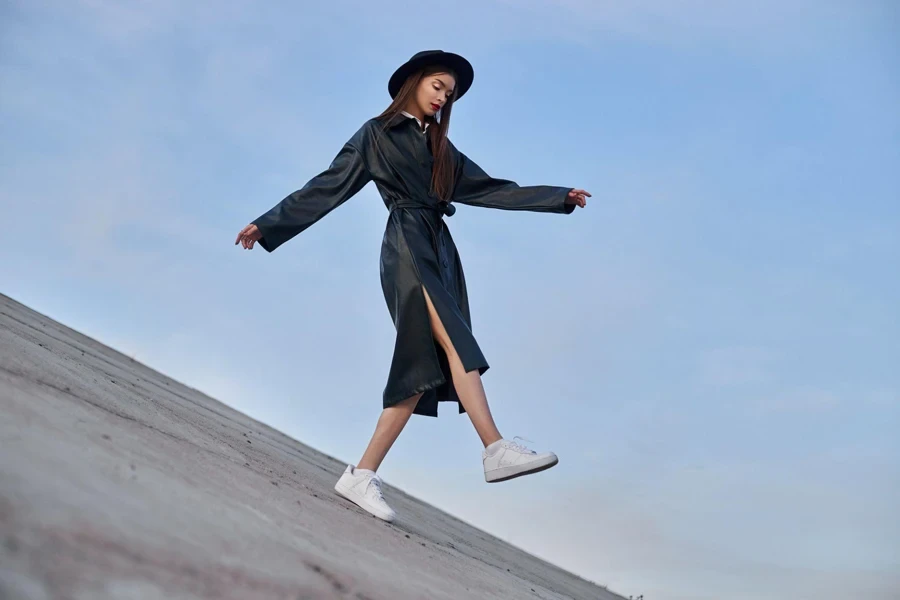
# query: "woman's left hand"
578,197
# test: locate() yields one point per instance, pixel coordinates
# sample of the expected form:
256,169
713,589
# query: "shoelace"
520,447
375,482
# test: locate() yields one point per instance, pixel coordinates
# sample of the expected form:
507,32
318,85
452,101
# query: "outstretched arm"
346,175
477,188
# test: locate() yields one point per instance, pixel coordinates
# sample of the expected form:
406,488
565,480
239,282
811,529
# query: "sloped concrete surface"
118,482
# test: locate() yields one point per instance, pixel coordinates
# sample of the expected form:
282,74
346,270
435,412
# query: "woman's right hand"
248,236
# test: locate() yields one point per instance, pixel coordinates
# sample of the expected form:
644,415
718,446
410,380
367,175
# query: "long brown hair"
442,173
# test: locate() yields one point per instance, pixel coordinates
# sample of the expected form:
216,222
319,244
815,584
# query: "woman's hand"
248,236
578,197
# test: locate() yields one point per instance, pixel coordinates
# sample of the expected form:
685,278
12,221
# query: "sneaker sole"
511,472
355,499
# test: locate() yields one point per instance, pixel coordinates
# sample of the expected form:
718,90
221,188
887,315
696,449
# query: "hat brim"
465,74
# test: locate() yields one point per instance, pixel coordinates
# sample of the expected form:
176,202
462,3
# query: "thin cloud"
737,366
768,27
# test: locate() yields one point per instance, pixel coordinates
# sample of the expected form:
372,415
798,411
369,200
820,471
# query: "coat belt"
445,208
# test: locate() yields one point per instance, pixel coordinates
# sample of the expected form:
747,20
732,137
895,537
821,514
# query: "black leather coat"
417,249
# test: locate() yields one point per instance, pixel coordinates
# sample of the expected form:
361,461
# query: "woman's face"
434,91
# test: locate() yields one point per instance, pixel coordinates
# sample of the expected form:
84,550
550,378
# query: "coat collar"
405,117
406,114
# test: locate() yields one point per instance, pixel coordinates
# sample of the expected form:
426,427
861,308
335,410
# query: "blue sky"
711,346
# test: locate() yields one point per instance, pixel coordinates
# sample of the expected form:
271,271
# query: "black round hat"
459,65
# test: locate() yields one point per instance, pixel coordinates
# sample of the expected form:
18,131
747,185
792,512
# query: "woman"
419,174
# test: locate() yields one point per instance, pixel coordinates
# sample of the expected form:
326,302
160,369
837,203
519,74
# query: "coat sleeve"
475,187
346,175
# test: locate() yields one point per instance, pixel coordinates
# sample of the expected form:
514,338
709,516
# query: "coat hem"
436,383
431,385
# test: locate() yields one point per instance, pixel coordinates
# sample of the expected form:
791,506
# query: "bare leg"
390,424
468,384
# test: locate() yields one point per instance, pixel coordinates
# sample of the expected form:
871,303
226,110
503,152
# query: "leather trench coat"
417,250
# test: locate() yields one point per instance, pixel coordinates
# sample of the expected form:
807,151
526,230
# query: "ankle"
492,441
491,448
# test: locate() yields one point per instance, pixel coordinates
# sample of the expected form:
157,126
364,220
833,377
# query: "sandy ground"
118,482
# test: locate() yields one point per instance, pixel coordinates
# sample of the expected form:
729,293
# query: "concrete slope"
118,482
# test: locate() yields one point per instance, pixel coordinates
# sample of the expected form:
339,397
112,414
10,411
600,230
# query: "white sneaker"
505,459
363,488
